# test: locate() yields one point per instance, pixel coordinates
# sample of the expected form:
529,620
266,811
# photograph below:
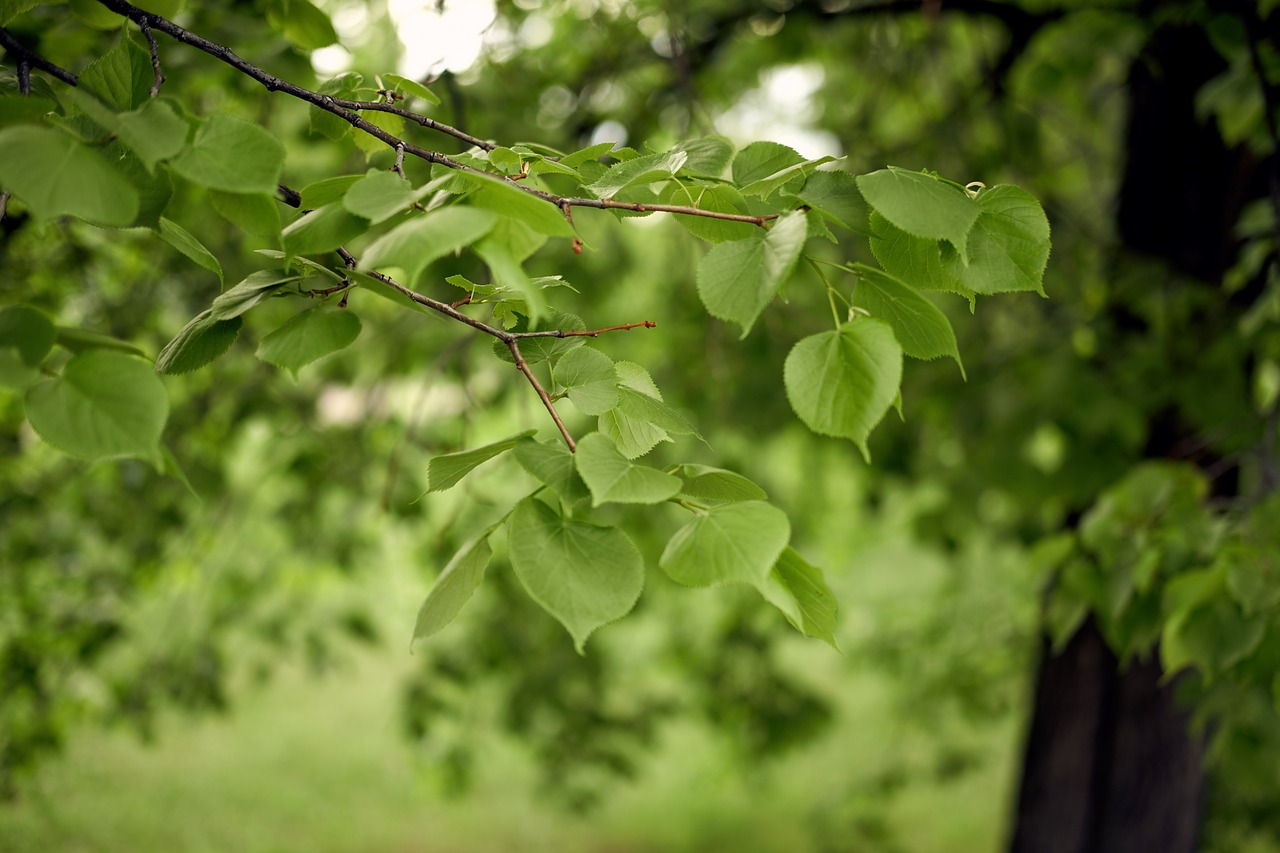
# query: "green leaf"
538,350
759,160
322,230
767,186
105,404
1008,247
642,170
1213,637
154,132
551,462
505,160
378,196
154,189
28,331
309,335
411,88
55,175
612,478
301,23
731,543
708,156
25,109
800,591
182,240
921,205
413,245
914,260
10,9
324,123
254,213
444,472
643,407
79,340
737,280
721,198
455,586
231,154
920,328
589,379
506,271
584,575
841,383
705,483
371,145
122,76
634,436
198,343
255,287
835,195
502,196
590,154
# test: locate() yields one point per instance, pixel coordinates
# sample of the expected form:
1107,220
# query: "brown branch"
417,118
514,346
155,58
584,333
28,60
4,203
348,112
511,339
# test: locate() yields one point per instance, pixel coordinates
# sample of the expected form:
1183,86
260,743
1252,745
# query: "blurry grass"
319,765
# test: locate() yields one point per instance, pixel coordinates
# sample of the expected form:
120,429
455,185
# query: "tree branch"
32,60
155,58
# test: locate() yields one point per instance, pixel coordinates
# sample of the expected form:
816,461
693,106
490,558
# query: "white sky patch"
782,110
435,40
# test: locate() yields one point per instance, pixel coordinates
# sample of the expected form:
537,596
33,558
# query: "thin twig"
4,203
28,60
417,118
155,58
398,166
514,346
584,333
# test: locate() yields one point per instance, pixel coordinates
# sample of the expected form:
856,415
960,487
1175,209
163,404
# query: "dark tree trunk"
1109,763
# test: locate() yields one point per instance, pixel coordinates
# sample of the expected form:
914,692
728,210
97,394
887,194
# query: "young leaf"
634,436
612,478
921,205
454,587
841,383
721,198
309,335
706,483
27,330
378,196
105,404
709,156
584,575
737,280
154,132
255,287
1008,247
767,186
322,230
639,406
122,76
57,176
920,328
199,342
759,160
254,213
731,543
641,170
915,260
538,350
186,243
799,590
411,88
301,23
552,463
231,154
444,472
590,380
502,196
328,190
370,145
413,245
835,195
325,123
507,271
